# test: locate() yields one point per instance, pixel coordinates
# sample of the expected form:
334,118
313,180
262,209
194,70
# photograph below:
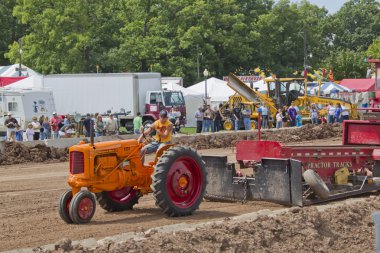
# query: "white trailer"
102,93
23,104
79,94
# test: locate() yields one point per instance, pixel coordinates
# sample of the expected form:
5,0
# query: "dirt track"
29,194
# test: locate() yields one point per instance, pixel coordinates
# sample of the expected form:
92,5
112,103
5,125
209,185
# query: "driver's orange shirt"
161,127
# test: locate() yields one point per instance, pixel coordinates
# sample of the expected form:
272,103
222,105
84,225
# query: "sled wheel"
179,181
253,124
227,125
64,205
82,207
118,200
316,184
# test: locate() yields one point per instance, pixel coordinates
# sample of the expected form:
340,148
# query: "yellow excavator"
280,92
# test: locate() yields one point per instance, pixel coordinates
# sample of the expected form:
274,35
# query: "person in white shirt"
345,112
331,113
111,125
29,132
36,128
279,118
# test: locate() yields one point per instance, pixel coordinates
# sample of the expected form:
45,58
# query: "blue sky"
331,5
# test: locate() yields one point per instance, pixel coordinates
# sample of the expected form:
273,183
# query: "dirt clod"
64,244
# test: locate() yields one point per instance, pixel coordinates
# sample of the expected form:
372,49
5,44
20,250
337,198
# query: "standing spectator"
292,113
36,128
46,129
331,113
87,125
298,120
199,118
54,122
236,112
208,119
99,126
338,113
29,132
137,123
285,116
314,114
11,124
247,117
67,121
279,118
264,116
41,120
19,134
345,111
111,125
218,118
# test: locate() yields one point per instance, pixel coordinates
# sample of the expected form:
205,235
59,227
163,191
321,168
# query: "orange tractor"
115,173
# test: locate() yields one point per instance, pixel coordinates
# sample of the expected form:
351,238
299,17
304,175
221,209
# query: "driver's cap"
164,113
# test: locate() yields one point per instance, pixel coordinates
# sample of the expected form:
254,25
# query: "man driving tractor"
164,129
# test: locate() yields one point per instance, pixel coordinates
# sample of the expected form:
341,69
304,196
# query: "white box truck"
121,93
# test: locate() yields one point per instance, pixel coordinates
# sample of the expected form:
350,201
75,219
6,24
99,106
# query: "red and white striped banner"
245,78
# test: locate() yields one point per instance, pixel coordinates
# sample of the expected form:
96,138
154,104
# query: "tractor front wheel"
179,181
64,206
82,207
118,200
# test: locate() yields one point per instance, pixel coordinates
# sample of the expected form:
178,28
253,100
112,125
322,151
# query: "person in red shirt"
54,122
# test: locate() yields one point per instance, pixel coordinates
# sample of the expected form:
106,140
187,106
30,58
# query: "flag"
331,76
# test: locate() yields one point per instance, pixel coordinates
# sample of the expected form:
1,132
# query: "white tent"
13,71
217,90
193,100
35,81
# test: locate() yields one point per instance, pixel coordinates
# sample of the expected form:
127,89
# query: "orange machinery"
114,172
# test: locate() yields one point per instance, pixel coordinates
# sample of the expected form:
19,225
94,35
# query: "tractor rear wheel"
118,200
179,181
316,184
63,206
82,207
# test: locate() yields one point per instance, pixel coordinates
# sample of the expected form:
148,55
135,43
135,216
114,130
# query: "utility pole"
304,52
20,51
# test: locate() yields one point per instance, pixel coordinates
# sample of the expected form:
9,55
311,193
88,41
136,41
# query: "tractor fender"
161,151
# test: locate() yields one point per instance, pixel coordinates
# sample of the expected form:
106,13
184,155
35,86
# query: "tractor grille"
76,162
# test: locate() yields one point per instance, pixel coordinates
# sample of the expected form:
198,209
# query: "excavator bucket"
276,180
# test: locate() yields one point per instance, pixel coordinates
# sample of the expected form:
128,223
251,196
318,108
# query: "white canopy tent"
31,82
217,90
193,101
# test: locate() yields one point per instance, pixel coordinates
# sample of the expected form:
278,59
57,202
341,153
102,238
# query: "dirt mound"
16,152
347,228
285,135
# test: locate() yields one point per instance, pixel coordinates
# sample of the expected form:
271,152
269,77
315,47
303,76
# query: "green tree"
66,36
347,64
10,28
355,25
279,44
374,49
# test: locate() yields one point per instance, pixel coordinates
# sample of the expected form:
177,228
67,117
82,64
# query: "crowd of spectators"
208,120
60,126
212,119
